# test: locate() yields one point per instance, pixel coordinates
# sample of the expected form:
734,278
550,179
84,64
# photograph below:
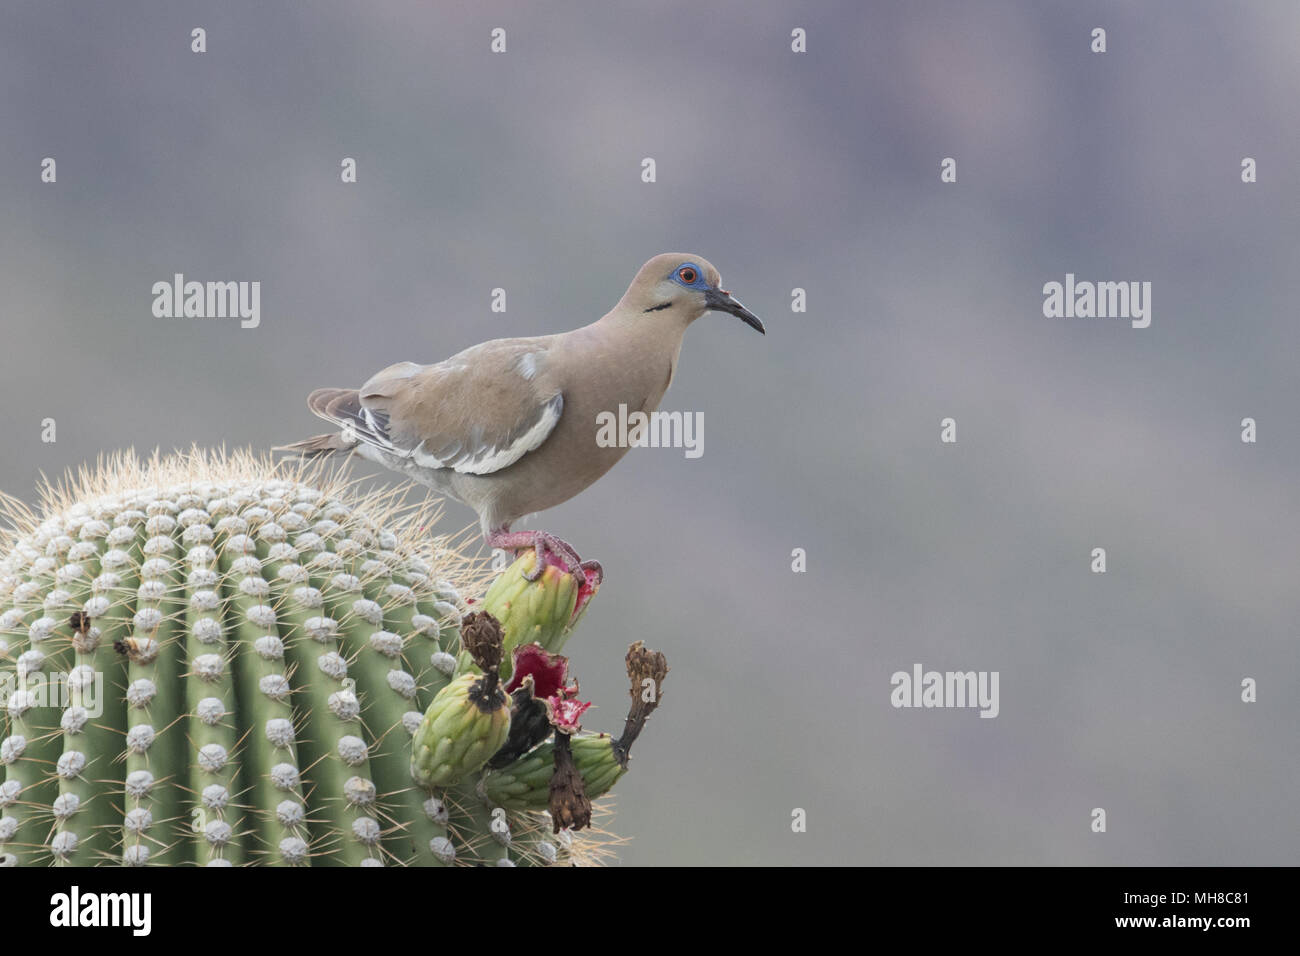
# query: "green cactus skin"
213,660
524,784
251,641
463,727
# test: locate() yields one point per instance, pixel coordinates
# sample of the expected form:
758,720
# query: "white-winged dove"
509,427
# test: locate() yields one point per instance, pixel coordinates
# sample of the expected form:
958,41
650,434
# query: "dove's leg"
550,550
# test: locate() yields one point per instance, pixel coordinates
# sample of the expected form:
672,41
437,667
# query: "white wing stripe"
488,459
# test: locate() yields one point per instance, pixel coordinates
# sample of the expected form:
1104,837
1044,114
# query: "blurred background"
817,170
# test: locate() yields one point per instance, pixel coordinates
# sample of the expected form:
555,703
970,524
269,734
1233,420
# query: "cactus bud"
541,611
524,784
469,720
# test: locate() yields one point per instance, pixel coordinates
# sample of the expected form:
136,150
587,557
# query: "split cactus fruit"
214,660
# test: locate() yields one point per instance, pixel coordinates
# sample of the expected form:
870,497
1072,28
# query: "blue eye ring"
689,275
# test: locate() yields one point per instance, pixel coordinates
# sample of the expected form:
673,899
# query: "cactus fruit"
525,783
469,719
541,611
529,782
210,659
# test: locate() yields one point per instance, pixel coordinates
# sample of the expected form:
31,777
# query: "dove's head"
681,287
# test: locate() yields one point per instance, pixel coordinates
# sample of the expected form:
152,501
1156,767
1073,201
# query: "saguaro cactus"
212,660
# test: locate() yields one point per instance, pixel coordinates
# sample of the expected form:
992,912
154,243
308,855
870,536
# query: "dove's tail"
318,445
335,405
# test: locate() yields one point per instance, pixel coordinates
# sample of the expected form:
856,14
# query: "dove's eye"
687,274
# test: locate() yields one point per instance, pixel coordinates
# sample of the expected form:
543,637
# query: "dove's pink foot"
552,552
